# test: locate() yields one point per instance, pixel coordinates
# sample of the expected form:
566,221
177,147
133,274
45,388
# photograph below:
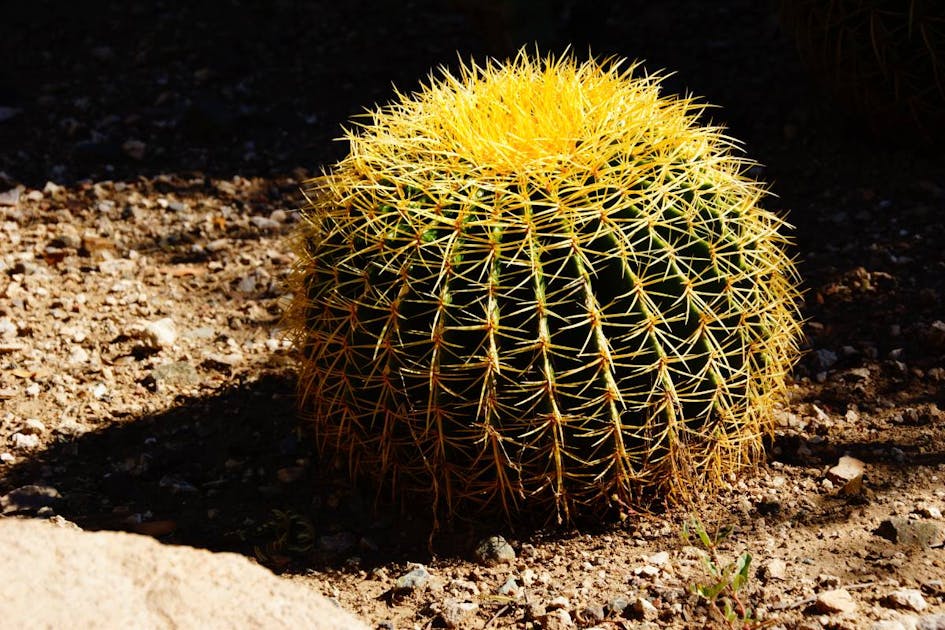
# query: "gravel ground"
150,164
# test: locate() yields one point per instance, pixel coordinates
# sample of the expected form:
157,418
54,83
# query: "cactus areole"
541,288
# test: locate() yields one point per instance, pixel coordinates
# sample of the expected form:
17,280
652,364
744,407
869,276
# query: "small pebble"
33,426
617,605
906,599
25,442
456,614
417,578
494,551
160,334
643,609
835,601
847,469
560,601
510,588
774,569
658,559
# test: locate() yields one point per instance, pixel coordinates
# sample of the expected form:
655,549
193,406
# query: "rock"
11,197
175,374
177,485
643,609
824,359
6,113
455,613
32,426
534,610
911,533
264,223
160,334
617,605
558,602
557,619
247,284
8,330
593,613
931,622
835,601
511,588
155,529
658,559
78,356
417,578
774,569
906,598
494,551
905,623
29,499
858,374
846,470
112,580
929,511
25,442
217,245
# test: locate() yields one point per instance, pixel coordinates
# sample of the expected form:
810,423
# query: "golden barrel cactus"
542,288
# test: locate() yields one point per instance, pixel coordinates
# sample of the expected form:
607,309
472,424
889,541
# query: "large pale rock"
55,577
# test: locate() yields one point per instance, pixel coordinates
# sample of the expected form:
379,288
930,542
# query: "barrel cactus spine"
540,286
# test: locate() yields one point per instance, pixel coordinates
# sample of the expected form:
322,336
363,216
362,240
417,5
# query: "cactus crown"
543,285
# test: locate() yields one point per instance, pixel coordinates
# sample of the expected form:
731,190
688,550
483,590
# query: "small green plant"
724,590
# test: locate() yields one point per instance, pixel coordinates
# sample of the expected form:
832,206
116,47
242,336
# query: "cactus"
883,59
541,288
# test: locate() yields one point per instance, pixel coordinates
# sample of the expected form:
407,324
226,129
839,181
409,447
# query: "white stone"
775,569
33,426
906,598
455,614
835,601
930,622
23,442
115,581
78,356
658,559
847,469
559,602
247,284
161,333
644,609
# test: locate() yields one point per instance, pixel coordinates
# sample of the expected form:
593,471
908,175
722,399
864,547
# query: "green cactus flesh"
541,286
